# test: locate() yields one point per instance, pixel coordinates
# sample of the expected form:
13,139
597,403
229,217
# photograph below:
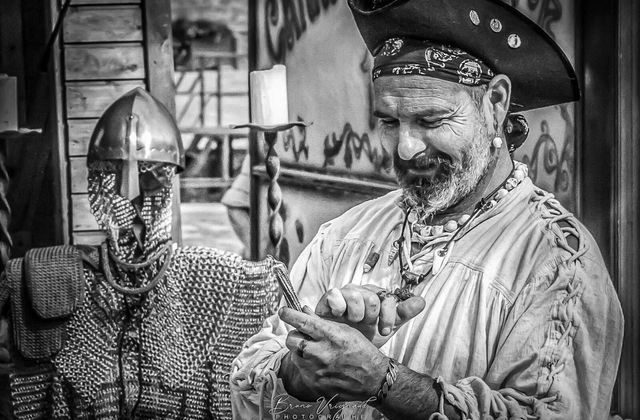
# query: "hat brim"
540,72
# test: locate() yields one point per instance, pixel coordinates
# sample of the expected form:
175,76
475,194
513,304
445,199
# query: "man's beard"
452,180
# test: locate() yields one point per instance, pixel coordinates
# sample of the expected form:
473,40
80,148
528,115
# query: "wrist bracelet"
389,379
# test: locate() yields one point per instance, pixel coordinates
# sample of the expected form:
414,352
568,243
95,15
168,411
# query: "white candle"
269,105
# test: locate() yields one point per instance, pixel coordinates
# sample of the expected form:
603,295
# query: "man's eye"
432,123
388,121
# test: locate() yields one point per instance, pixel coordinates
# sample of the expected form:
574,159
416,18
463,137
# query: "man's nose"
408,144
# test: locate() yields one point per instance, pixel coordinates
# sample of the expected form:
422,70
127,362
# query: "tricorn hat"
491,30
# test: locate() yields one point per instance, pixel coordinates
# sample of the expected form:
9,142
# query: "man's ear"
497,99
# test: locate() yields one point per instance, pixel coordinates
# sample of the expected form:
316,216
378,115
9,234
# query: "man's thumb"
409,308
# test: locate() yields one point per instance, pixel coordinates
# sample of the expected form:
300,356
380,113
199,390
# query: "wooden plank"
78,168
94,2
89,238
104,61
81,214
79,136
103,24
204,183
90,99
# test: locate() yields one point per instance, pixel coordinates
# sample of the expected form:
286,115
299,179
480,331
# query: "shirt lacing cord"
439,415
553,214
563,225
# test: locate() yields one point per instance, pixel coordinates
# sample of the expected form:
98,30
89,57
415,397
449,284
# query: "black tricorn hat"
491,30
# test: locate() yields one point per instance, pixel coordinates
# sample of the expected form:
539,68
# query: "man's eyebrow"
425,113
438,112
380,114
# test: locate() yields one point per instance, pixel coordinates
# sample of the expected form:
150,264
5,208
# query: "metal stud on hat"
514,41
475,19
496,25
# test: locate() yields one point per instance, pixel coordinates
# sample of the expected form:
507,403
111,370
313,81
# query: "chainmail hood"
136,229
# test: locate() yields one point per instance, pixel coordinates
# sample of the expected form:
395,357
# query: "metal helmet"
136,127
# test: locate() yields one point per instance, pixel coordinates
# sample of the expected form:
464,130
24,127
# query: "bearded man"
470,292
138,327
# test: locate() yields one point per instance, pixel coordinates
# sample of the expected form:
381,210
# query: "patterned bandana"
406,56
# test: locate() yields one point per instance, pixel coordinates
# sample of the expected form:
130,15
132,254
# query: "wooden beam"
79,136
627,199
316,180
81,213
104,61
159,51
90,99
78,172
103,24
11,48
56,125
160,82
94,2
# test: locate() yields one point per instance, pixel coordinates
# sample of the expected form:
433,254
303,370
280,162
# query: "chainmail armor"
177,343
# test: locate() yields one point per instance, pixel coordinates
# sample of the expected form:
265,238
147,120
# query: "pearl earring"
497,142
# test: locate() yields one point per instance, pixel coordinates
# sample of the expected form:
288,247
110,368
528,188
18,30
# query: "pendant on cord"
440,257
393,252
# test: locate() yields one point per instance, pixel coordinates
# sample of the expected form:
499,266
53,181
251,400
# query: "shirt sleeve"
238,194
558,353
254,381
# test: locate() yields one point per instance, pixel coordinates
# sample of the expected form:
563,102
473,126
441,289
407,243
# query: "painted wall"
329,84
550,150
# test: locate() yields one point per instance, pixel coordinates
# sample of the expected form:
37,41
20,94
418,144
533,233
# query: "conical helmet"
137,127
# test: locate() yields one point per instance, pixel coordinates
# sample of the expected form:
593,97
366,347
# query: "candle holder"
272,163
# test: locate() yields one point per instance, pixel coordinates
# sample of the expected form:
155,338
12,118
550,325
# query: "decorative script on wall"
355,146
287,20
295,140
552,161
550,11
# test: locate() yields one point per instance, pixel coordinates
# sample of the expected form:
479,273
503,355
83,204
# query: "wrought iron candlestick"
272,163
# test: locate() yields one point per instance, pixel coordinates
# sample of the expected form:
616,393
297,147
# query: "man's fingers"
337,303
409,309
372,288
371,307
308,324
294,338
355,304
331,304
307,310
387,315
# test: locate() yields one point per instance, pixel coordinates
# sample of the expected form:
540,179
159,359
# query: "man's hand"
329,359
369,309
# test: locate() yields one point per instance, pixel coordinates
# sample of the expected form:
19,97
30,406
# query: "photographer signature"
316,410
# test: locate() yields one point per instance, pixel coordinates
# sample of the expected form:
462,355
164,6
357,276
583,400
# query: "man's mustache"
424,161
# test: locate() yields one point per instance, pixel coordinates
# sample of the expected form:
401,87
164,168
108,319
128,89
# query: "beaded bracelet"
389,379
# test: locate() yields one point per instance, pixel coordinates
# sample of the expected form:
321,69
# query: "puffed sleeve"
558,353
254,381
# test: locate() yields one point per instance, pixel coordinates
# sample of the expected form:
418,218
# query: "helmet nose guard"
136,127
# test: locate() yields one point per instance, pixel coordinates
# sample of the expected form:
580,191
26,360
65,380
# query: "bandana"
405,56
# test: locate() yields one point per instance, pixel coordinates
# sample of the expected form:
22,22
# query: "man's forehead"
440,92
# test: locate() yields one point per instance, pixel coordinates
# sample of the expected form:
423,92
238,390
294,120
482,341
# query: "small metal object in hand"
290,296
403,293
